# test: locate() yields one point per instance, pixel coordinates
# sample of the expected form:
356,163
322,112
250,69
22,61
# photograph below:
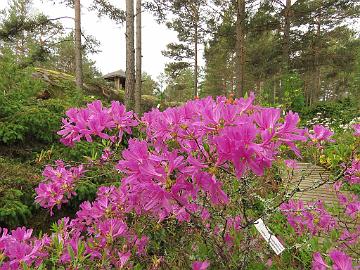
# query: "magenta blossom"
321,134
351,204
291,164
124,257
318,262
198,265
96,121
340,260
356,128
310,217
352,174
21,247
58,186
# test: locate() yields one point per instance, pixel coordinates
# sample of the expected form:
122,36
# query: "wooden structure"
309,176
117,77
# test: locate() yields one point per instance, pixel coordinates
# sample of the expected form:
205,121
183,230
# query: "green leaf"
138,267
71,252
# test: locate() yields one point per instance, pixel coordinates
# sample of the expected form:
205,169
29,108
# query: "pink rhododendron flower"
318,262
19,246
291,164
124,257
267,119
72,243
337,185
289,132
353,209
352,174
209,184
350,238
237,144
58,186
106,154
351,204
269,263
320,134
234,223
308,218
141,244
356,128
95,120
200,265
340,260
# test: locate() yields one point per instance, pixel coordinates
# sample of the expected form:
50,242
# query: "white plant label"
269,237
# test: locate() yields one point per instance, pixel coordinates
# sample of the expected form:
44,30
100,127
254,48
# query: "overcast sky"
112,36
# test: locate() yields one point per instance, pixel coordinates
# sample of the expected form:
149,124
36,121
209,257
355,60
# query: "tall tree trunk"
196,60
130,56
274,89
257,91
240,46
224,86
317,75
138,81
78,49
286,41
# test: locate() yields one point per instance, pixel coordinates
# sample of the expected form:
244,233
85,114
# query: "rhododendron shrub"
193,183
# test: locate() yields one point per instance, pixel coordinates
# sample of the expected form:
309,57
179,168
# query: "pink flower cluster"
291,164
58,186
239,132
172,172
313,218
98,232
356,128
352,174
349,237
351,204
156,182
200,265
103,223
233,226
320,134
21,248
310,217
95,120
340,261
169,173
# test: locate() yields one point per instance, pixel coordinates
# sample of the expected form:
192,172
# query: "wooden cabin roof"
119,73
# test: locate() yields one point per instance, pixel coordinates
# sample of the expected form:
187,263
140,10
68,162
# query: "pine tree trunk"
138,81
240,47
257,91
130,56
224,86
196,60
274,89
317,75
78,49
286,45
306,92
261,87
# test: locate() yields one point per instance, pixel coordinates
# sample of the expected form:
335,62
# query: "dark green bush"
30,115
13,211
17,183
